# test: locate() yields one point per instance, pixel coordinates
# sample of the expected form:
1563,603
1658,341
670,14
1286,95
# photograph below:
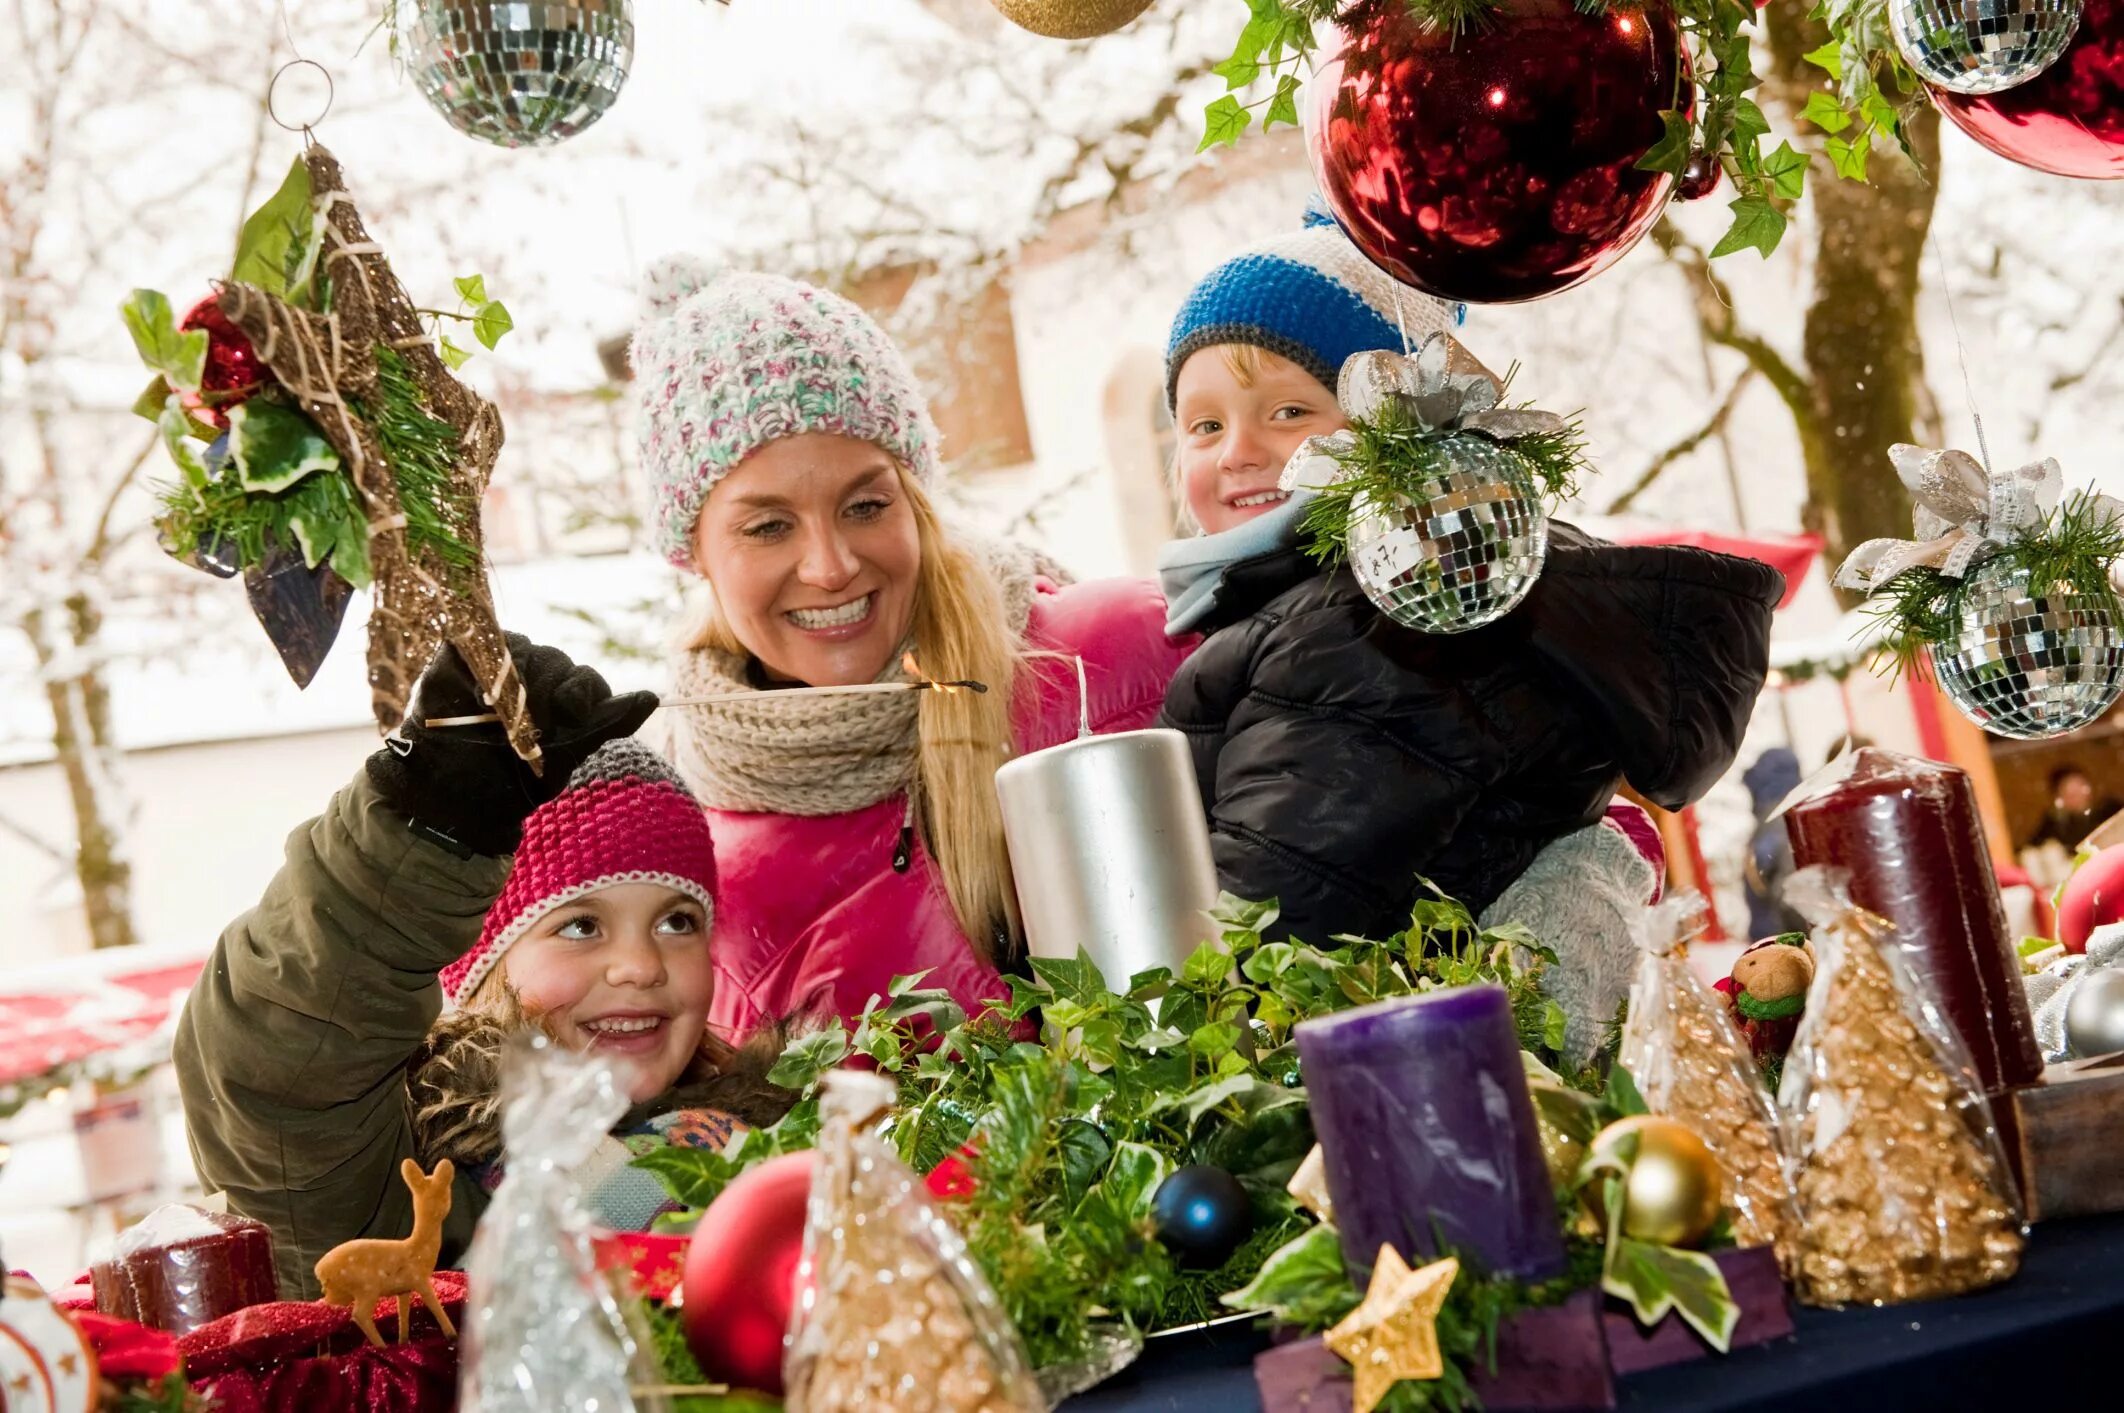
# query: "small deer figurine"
357,1274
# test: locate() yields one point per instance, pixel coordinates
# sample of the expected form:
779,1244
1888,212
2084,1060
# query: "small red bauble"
1699,178
2093,897
741,1273
2067,120
233,368
1498,164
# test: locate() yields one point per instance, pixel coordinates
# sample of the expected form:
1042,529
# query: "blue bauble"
1202,1214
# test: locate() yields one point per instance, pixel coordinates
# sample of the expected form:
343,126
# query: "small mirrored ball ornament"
2027,663
2094,1017
1202,1214
1981,46
520,73
1463,556
1071,19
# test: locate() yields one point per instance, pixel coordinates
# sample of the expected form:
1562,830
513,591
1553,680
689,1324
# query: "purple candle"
1428,1132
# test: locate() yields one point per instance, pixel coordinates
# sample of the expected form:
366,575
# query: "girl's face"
1237,431
811,548
623,971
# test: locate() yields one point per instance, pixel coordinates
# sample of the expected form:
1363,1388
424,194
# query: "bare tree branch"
1711,427
1716,316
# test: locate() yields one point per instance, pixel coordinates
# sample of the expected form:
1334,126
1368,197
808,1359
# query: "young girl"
310,1055
1344,758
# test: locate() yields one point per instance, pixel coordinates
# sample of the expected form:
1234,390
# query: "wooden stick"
486,718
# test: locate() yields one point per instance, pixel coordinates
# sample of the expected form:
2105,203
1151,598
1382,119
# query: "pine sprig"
423,451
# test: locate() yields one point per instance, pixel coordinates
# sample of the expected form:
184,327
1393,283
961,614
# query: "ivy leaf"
809,1057
278,247
1553,1026
1826,113
176,427
1622,1099
1305,1274
491,322
1195,1103
1214,1039
1071,978
1283,108
1222,123
1133,1179
693,1176
1208,965
1656,1279
273,447
903,985
1083,1151
1236,914
1671,152
1748,121
1879,112
1831,57
152,397
179,357
1242,68
1848,154
453,356
472,288
1786,170
1755,223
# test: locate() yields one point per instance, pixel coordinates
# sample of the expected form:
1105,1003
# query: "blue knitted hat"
1309,296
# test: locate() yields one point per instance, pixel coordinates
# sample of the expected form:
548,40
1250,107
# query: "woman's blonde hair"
960,633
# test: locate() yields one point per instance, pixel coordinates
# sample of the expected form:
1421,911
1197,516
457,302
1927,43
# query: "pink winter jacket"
810,917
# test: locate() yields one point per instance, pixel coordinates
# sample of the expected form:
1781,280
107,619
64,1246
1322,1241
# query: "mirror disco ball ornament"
520,73
1981,46
2069,119
1463,557
2030,665
1071,19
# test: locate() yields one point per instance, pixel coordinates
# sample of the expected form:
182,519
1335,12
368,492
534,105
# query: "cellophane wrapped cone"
543,1329
1691,1065
895,1315
1903,1185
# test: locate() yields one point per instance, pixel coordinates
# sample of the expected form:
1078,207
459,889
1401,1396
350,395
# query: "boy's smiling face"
1241,412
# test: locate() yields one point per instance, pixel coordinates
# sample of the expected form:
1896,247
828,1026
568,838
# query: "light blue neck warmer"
1191,572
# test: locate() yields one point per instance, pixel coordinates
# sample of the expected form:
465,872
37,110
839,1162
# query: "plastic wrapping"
1903,1185
181,1267
2050,990
1692,1065
894,1313
543,1329
1908,832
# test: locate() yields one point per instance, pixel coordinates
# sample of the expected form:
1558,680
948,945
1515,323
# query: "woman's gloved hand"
463,785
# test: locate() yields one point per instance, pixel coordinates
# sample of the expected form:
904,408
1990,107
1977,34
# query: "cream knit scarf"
781,753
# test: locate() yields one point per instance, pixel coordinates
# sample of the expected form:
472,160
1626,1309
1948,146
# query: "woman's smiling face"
811,548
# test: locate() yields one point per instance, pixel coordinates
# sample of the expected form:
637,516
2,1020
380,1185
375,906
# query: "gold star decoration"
69,1364
1310,1189
19,1384
1393,1335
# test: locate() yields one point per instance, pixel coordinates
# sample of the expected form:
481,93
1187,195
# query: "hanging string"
1961,351
1401,322
287,31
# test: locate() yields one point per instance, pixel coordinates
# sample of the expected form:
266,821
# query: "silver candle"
1111,851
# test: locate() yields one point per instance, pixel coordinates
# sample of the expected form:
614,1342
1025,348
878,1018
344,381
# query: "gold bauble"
1071,19
1565,1120
1672,1196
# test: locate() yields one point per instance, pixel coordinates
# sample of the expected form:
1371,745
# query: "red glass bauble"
2069,119
741,1273
233,368
1497,164
1699,178
2093,897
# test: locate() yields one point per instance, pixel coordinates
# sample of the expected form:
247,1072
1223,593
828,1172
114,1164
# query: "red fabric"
40,1031
597,831
811,918
1790,555
285,1329
656,1262
420,1377
1638,828
125,1350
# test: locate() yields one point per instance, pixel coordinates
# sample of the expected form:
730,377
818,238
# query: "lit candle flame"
914,669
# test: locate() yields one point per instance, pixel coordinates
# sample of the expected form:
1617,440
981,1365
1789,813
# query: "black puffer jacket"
1342,755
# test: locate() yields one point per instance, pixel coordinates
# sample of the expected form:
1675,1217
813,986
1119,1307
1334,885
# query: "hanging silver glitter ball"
1981,46
1464,556
2094,1017
520,73
2028,664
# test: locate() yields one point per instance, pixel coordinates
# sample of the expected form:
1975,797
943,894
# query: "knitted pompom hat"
1309,296
624,818
726,362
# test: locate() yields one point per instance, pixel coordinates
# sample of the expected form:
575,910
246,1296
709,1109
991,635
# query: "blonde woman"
792,459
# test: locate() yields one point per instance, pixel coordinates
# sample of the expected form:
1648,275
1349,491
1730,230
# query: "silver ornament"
2028,664
1463,556
1981,46
2094,1018
520,73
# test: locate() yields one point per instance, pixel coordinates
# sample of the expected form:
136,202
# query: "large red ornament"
741,1273
1498,164
2093,897
2067,120
233,369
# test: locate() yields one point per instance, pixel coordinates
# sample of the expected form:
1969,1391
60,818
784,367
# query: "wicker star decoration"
328,362
1393,1335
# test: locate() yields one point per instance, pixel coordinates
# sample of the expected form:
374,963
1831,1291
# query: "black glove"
463,786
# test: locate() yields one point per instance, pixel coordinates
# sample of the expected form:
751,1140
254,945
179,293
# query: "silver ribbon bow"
1442,384
1963,515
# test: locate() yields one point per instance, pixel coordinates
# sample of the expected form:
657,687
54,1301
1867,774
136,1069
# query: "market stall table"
2043,1334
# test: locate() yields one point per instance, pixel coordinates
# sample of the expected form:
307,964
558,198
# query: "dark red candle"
181,1267
1907,830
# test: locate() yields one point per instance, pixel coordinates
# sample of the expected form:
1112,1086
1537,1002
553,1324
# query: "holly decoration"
323,445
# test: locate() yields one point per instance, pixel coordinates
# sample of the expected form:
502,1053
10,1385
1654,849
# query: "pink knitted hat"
624,818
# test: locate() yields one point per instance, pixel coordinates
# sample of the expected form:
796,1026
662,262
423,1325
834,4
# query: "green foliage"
1923,608
171,1394
179,357
1396,455
321,515
278,247
272,447
1068,1140
666,1330
1655,1279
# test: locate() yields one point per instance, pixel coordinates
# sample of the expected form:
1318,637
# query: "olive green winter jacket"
291,1052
